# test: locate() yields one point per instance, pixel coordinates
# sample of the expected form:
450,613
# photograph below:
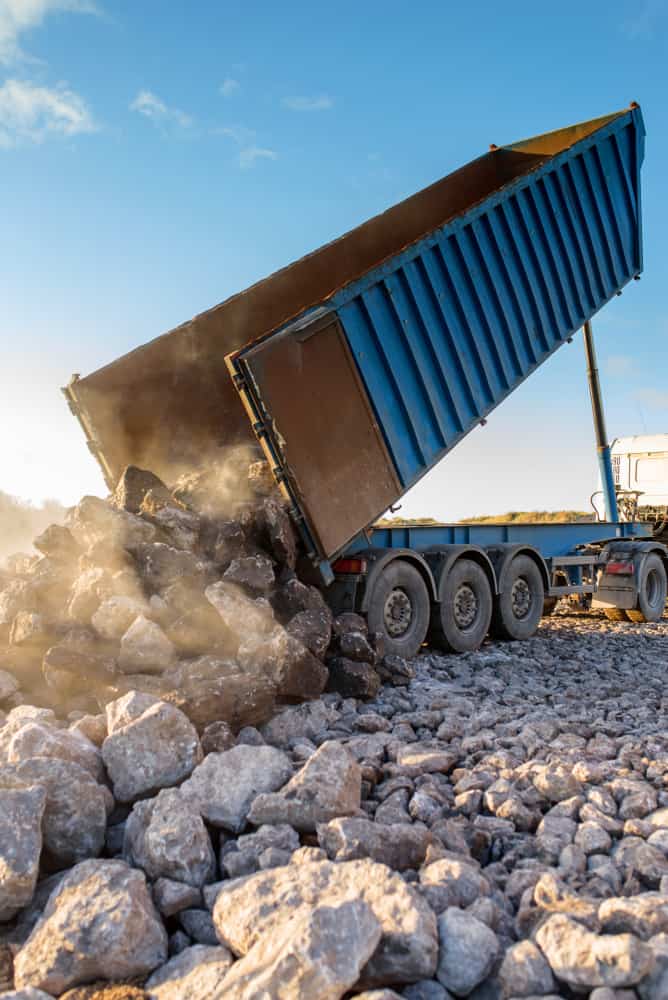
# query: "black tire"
616,614
517,611
461,620
652,589
399,608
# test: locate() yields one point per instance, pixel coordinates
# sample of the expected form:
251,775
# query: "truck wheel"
465,609
651,591
616,614
518,610
399,609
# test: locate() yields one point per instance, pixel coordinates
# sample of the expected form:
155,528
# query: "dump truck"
359,367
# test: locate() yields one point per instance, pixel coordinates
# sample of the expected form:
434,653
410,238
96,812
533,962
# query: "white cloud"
229,87
248,156
320,103
239,133
155,109
18,16
29,113
249,151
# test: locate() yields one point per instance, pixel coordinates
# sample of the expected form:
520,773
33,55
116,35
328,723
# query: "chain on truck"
359,367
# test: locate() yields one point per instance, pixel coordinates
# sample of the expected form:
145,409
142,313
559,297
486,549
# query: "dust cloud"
21,521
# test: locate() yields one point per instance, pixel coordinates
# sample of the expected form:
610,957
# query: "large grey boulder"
643,915
397,845
167,838
196,972
35,739
100,923
145,648
224,786
75,814
93,520
130,706
583,959
525,972
157,749
468,951
316,956
21,810
329,785
115,615
306,721
248,909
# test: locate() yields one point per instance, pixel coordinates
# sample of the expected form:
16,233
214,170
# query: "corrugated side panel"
445,331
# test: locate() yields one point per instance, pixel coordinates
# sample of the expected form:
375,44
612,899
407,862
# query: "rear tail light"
356,566
620,568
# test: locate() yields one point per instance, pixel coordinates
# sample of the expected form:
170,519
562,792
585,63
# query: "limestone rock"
211,690
145,648
126,709
75,813
196,972
115,615
313,629
582,959
643,915
556,782
21,810
397,845
167,839
316,956
171,897
93,520
328,786
524,972
269,847
162,565
100,923
224,786
158,749
453,882
416,758
468,950
133,485
37,740
249,909
240,613
352,679
254,573
308,721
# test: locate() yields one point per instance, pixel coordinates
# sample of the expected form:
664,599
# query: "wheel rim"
398,613
465,606
653,588
521,598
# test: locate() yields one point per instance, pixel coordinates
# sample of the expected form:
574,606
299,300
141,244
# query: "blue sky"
157,156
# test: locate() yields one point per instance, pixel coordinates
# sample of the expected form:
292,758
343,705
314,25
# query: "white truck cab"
640,470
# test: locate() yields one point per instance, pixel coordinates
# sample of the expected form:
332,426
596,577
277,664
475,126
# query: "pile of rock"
492,825
156,591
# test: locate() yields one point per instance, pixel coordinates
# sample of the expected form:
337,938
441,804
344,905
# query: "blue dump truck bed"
360,395
361,365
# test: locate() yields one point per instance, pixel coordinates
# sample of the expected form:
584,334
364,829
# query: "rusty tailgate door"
303,386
